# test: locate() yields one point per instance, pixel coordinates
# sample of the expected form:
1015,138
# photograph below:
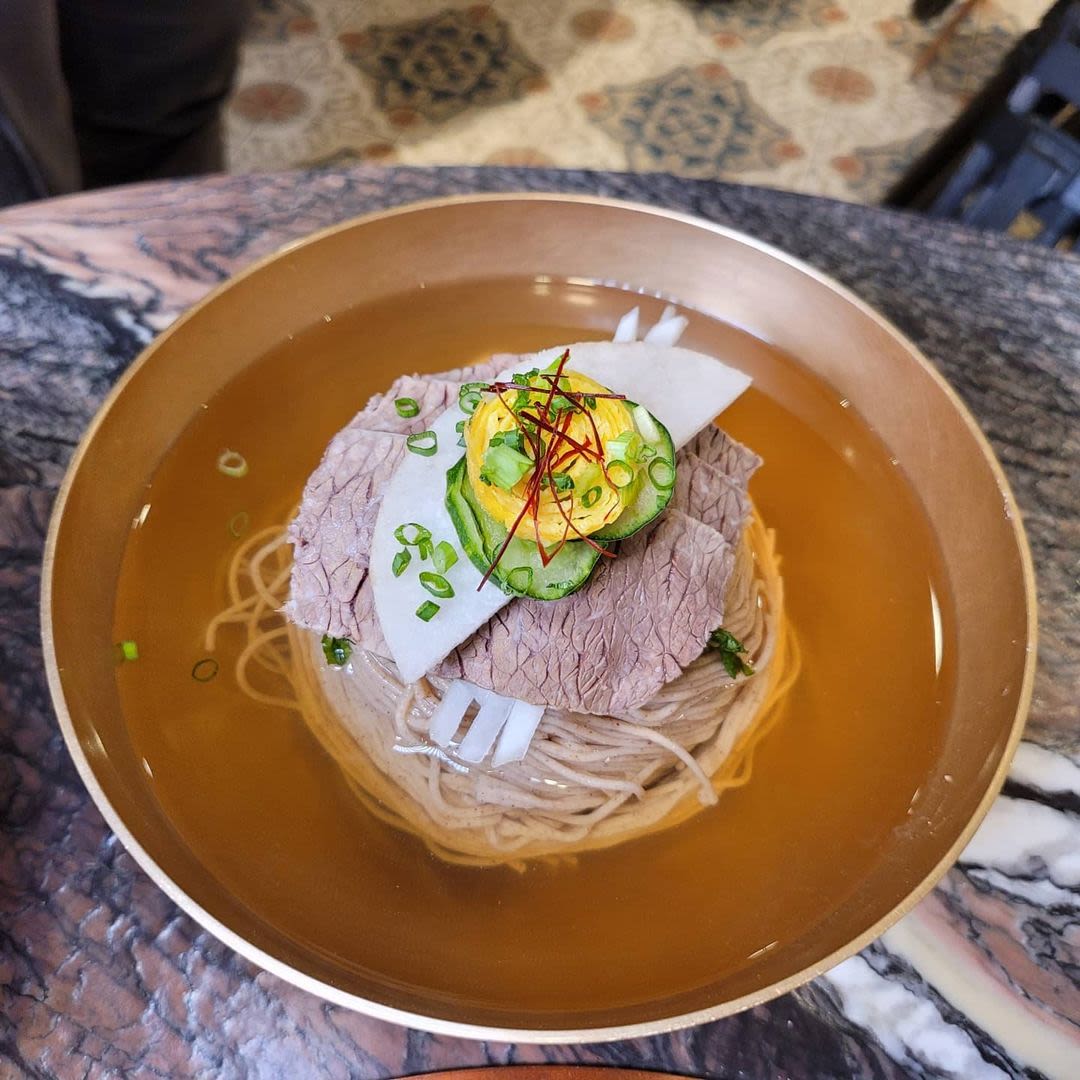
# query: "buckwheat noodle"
586,782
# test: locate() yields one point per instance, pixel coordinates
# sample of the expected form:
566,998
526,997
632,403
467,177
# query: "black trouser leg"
147,80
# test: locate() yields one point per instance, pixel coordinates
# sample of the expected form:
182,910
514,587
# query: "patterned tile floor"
810,95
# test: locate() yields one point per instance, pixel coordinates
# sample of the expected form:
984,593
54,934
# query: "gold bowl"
963,499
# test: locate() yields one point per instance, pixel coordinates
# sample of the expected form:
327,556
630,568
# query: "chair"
1015,151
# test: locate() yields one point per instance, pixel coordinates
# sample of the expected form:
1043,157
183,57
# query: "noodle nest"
586,782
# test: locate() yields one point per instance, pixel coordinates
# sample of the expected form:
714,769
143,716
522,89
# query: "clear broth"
266,812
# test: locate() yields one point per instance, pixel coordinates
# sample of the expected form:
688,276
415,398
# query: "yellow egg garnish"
592,501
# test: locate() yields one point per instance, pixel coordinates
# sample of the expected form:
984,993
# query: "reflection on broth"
269,813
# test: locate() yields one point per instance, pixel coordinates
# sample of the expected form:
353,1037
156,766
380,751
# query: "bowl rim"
456,1028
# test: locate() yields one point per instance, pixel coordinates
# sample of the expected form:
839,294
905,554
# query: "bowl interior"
964,501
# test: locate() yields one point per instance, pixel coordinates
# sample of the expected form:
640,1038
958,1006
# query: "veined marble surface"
100,975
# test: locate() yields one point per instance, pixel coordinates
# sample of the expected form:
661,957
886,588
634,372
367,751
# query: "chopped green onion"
730,647
563,481
401,560
425,549
624,447
620,474
562,404
427,611
445,556
590,401
524,378
591,497
337,650
204,670
407,407
232,464
424,443
520,579
662,473
238,524
129,650
437,585
410,534
459,427
521,400
504,467
513,438
645,453
469,396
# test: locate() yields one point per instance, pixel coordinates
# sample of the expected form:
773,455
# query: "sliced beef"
718,448
707,493
639,621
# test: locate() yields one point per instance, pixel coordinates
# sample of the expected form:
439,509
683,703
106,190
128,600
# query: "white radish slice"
627,330
484,730
517,735
416,493
683,389
450,712
668,328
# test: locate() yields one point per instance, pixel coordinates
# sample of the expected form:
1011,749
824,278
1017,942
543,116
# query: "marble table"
100,975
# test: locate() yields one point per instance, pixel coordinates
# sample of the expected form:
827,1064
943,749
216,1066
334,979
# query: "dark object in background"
98,92
925,10
1015,150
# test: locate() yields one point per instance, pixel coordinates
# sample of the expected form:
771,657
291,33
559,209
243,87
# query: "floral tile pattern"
434,69
697,122
279,20
871,170
750,22
810,95
966,61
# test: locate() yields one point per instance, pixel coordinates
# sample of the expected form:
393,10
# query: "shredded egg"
596,500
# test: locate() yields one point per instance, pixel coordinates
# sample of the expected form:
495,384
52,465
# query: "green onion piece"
205,669
521,400
590,401
620,474
407,407
239,523
424,443
563,481
427,611
337,650
425,549
524,378
437,585
129,650
469,396
459,427
514,438
232,464
520,579
662,474
401,560
624,447
445,556
591,497
410,534
645,453
504,467
730,647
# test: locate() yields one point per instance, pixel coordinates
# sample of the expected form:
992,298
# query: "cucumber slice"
520,571
653,491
